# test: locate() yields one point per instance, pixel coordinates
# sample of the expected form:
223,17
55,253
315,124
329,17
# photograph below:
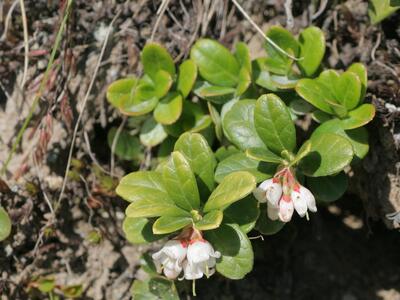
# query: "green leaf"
168,224
244,81
274,124
72,291
215,94
216,64
237,254
276,61
312,50
261,75
162,83
244,213
180,182
358,137
240,162
329,154
348,90
300,107
265,225
284,82
155,288
359,117
149,208
139,231
201,159
314,93
320,116
329,188
46,284
224,152
169,109
154,57
5,224
242,55
216,118
138,107
380,9
263,154
361,71
210,220
152,133
143,185
127,146
232,188
121,90
187,77
238,124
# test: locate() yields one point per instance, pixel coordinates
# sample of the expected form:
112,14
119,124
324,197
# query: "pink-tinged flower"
286,208
201,259
170,258
269,190
303,200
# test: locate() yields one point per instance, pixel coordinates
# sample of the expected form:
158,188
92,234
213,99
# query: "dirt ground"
347,251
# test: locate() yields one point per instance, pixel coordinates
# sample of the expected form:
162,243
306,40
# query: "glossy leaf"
262,76
361,71
242,55
312,50
138,107
380,9
162,83
216,64
155,288
328,188
240,162
244,213
224,152
154,57
201,159
169,109
143,185
216,118
152,133
263,154
358,137
314,93
238,124
210,220
139,231
121,90
187,77
127,146
265,225
213,93
358,117
274,124
276,61
232,188
329,154
244,81
180,182
5,224
166,224
237,253
148,207
348,90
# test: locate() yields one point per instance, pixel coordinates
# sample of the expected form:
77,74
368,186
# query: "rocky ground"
348,251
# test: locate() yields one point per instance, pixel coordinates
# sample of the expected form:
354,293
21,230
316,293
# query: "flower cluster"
284,194
194,255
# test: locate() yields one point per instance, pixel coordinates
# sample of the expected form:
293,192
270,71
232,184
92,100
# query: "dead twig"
26,43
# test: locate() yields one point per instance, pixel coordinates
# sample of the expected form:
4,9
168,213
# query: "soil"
349,250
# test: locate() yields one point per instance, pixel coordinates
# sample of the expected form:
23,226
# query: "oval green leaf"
5,224
180,182
274,124
232,188
216,64
127,146
121,91
166,224
237,256
210,220
154,57
244,212
139,231
328,188
358,117
187,77
263,154
312,50
152,133
169,109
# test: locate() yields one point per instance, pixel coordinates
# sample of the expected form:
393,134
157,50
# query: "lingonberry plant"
228,159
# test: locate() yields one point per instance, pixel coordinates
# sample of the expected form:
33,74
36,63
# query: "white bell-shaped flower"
303,199
269,190
201,259
286,208
273,212
169,259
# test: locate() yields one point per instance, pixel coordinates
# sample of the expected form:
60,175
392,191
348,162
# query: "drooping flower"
201,259
269,190
170,258
283,194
